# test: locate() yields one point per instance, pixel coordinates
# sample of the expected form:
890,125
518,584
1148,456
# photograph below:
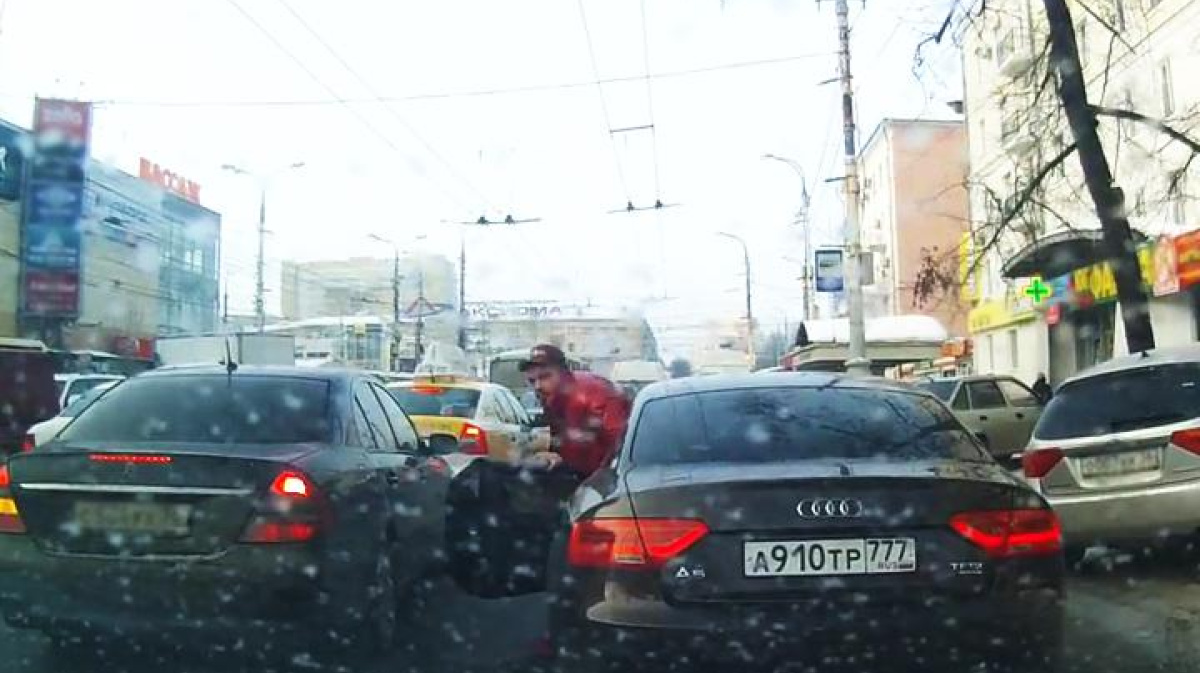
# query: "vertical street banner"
51,243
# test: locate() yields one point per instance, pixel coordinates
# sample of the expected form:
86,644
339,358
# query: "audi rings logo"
830,509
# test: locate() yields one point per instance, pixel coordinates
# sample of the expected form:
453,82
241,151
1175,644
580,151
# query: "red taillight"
1038,463
631,543
1188,440
136,458
1009,533
292,485
473,440
267,531
28,442
10,517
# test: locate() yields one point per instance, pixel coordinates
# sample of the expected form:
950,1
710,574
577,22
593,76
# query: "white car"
71,386
48,429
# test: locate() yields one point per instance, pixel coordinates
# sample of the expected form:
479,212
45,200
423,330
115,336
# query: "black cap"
544,354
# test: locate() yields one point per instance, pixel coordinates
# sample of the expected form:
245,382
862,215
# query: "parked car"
71,386
1000,410
43,432
27,392
740,506
1117,451
262,501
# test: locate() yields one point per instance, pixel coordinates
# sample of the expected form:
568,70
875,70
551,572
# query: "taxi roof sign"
443,378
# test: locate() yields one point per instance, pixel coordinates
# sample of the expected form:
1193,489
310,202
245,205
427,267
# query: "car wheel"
1075,555
365,625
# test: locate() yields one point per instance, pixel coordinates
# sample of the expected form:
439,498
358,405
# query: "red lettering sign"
1187,253
172,182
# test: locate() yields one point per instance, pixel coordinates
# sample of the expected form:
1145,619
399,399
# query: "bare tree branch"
1104,22
1157,124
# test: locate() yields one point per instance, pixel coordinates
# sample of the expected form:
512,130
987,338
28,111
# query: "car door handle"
1020,415
393,478
983,418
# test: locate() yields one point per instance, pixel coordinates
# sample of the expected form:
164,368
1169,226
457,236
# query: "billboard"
169,180
52,209
831,270
15,145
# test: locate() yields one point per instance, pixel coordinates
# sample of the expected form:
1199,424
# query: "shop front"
1007,336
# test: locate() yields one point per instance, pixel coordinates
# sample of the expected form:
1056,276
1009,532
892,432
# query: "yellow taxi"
460,415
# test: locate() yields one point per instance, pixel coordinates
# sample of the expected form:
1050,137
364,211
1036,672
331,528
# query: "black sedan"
798,515
273,500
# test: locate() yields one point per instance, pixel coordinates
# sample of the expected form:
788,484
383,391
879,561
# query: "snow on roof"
880,330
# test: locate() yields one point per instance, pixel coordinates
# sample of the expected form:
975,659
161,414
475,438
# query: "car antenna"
230,365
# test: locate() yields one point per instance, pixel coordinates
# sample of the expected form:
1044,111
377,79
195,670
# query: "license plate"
1120,463
868,556
133,517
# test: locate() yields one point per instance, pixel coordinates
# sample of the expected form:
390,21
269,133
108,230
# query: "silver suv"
1117,451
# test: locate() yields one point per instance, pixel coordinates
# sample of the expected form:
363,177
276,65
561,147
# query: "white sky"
186,82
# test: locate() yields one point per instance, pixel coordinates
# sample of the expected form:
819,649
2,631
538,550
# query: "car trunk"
132,500
896,512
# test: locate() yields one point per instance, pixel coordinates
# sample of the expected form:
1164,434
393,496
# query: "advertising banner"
14,146
1187,256
830,270
52,209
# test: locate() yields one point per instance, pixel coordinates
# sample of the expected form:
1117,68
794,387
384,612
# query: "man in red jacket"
587,414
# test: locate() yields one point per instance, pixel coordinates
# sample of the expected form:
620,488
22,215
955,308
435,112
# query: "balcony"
1018,138
1013,56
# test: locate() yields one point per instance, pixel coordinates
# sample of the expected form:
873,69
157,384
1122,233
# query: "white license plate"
868,556
133,517
1120,463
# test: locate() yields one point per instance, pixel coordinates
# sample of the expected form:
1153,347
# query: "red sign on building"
1187,252
51,293
169,180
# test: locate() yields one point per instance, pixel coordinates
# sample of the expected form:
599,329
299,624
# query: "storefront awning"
1060,253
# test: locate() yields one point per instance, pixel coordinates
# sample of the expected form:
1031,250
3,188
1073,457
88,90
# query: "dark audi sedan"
795,516
272,500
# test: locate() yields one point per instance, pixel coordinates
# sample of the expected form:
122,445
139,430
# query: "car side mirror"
539,421
423,448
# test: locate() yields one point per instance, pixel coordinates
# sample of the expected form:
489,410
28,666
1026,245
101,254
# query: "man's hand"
549,458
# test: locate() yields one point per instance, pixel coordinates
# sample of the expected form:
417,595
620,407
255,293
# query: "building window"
1165,88
1119,14
1177,196
1014,351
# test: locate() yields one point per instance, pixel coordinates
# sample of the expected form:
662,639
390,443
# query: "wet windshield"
585,336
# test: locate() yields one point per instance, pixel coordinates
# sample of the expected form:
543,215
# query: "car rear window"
777,424
209,409
1130,400
943,389
437,400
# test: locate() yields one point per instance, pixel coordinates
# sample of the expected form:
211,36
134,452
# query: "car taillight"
473,440
10,517
1038,463
1011,533
1188,440
292,513
28,442
291,485
631,543
264,530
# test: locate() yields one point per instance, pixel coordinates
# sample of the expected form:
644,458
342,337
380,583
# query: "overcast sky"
408,114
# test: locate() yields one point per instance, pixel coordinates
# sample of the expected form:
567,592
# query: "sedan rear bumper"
243,588
1136,514
1027,622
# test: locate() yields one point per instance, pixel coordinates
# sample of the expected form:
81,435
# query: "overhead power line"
338,98
608,126
388,107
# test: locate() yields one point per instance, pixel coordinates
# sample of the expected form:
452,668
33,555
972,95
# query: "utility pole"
462,292
750,345
420,350
260,310
802,221
857,362
1107,197
395,310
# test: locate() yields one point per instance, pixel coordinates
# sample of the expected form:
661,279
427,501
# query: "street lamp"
806,228
749,304
396,278
260,311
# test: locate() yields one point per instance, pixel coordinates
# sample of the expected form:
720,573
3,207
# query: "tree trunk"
1107,197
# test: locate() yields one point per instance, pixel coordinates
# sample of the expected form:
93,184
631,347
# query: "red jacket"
587,420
